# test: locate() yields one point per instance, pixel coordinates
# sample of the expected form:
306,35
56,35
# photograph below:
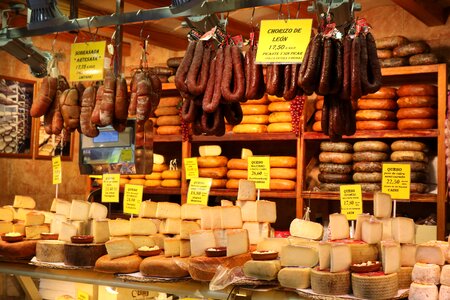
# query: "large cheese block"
23,249
191,211
200,241
426,273
408,255
55,225
24,202
48,216
230,217
204,268
372,231
97,211
79,210
338,227
225,202
390,257
295,278
327,283
100,231
50,251
17,227
359,220
119,227
62,207
444,292
83,227
306,229
126,264
403,230
83,255
170,226
340,257
148,209
185,248
374,285
119,247
272,243
262,269
141,241
171,247
6,214
257,231
382,205
186,227
220,235
324,250
445,275
67,231
141,226
158,239
237,241
258,211
166,210
298,256
6,226
247,190
419,291
430,253
167,267
21,213
211,217
209,150
34,232
387,229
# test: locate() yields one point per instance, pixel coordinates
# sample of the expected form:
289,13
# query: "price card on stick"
351,200
198,191
57,172
191,167
110,188
259,171
132,198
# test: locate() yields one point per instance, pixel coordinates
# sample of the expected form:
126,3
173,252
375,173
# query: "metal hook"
297,15
79,29
54,42
113,35
253,14
142,30
95,34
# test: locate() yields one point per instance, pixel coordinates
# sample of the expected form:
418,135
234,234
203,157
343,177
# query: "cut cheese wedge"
324,255
408,255
200,241
359,220
338,227
403,230
6,214
209,150
372,231
148,209
340,257
390,257
298,256
119,227
382,205
79,210
246,190
158,159
246,153
191,211
262,269
237,242
24,202
272,244
119,247
166,210
141,226
98,211
295,278
306,229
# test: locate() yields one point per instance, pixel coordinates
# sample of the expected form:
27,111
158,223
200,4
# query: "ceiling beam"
148,4
428,12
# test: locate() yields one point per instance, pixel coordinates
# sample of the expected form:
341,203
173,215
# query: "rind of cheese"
408,255
257,231
426,273
375,287
298,256
327,283
119,227
209,150
262,269
166,210
119,248
148,209
382,205
338,227
419,291
141,226
359,220
159,239
272,244
430,253
246,190
372,231
306,229
237,241
387,229
24,202
246,153
295,278
50,251
34,232
445,275
79,210
200,241
100,231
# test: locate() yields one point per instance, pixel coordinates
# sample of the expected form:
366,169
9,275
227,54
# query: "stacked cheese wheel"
417,106
214,167
168,120
171,178
283,172
367,164
414,153
280,118
377,111
335,165
317,125
255,116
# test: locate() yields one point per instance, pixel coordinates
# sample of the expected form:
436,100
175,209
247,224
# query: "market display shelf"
229,136
167,138
430,198
376,134
263,194
159,190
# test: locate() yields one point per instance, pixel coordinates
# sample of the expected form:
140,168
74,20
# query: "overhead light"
44,13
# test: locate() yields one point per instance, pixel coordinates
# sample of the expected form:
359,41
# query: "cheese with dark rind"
50,251
375,285
327,283
83,255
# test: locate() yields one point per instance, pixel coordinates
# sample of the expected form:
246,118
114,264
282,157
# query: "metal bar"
118,40
143,15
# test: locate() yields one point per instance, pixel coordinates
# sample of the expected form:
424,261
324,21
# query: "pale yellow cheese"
141,226
306,229
67,231
340,257
119,248
298,256
372,231
148,209
79,210
24,202
6,214
200,241
18,227
62,207
171,247
237,241
359,220
324,255
257,231
98,211
220,236
100,231
166,210
272,243
209,150
170,226
403,230
191,211
295,278
430,253
34,218
338,227
387,229
258,211
262,269
158,159
55,225
390,257
246,190
444,292
21,213
211,217
186,227
230,217
408,255
119,227
382,205
246,153
141,241
158,239
34,232
185,248
48,216
6,226
225,202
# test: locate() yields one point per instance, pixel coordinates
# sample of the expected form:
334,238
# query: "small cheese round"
255,109
426,273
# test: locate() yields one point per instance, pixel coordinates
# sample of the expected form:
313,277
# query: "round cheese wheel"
335,157
169,101
367,177
212,161
370,188
319,104
237,164
122,181
166,111
404,277
370,146
318,115
418,166
168,130
137,181
159,167
417,90
369,114
204,268
232,184
237,174
366,188
153,176
382,93
370,156
280,106
168,120
335,168
375,125
404,145
280,117
50,251
283,173
249,128
280,127
327,283
334,178
367,166
416,113
273,98
329,187
255,109
282,184
419,188
132,176
370,286
378,104
171,183
283,161
317,126
167,267
126,264
336,147
418,177
417,124
409,156
171,174
218,183
83,255
152,182
416,101
263,100
23,249
215,173
255,119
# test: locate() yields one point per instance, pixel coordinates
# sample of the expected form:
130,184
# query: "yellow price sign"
191,167
126,155
396,180
110,188
283,41
96,176
87,61
132,198
351,200
259,171
82,295
198,191
57,171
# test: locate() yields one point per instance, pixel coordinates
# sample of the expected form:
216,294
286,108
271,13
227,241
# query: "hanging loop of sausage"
373,78
233,113
197,76
208,104
233,81
183,69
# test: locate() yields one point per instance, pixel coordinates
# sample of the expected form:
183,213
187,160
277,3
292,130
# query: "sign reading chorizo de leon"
87,61
396,180
283,41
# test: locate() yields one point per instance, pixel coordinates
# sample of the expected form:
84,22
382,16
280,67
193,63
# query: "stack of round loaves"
413,153
367,164
317,125
417,104
255,116
214,167
335,165
280,118
377,111
167,114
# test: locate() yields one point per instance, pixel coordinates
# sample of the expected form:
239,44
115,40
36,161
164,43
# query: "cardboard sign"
87,61
191,167
283,41
351,201
132,198
259,171
199,190
110,188
396,180
57,172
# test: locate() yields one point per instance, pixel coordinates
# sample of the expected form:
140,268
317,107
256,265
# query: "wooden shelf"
229,136
263,194
168,86
377,134
167,138
153,190
334,196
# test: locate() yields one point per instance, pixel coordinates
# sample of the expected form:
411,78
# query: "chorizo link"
107,104
270,87
258,77
233,71
210,122
325,114
45,97
144,104
95,117
338,68
207,104
346,76
251,88
198,71
356,69
374,77
304,64
311,77
183,69
233,113
137,76
187,110
325,74
219,70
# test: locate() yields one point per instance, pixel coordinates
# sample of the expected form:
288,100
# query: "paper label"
191,167
87,61
82,295
259,171
57,172
110,188
351,201
283,41
198,191
396,180
132,198
126,155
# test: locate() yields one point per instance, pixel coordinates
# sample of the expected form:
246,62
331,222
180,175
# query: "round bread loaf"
255,110
370,146
382,93
280,127
166,267
212,161
377,104
419,188
417,90
336,147
371,166
416,113
334,178
215,173
423,59
409,156
370,156
255,119
417,124
168,120
418,177
280,117
335,157
371,114
403,145
393,62
249,128
318,115
370,187
384,53
126,264
376,125
411,49
168,130
319,104
416,101
280,106
335,168
367,177
317,126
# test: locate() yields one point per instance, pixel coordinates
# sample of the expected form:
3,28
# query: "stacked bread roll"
335,165
214,167
317,125
167,114
255,116
367,164
417,104
377,111
280,118
414,153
